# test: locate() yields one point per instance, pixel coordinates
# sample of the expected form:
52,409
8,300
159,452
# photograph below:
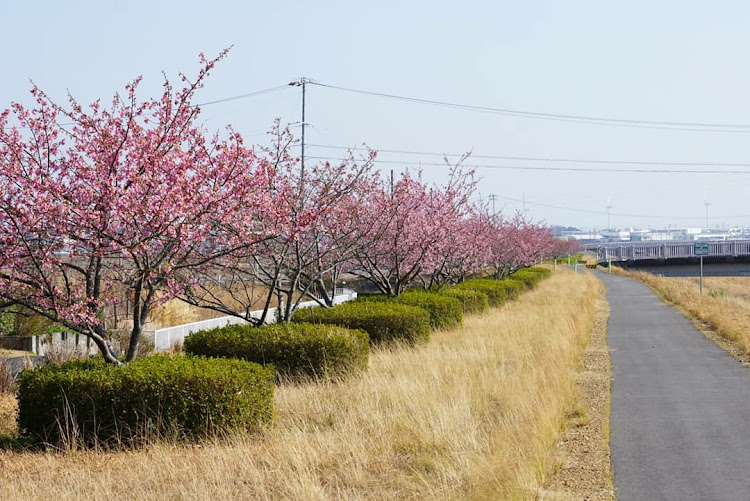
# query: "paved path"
16,364
680,423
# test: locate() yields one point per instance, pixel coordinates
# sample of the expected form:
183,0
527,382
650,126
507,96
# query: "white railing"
166,338
670,250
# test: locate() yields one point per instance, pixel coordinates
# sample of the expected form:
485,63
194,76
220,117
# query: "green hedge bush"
445,312
530,278
385,321
472,301
296,350
88,401
513,288
496,294
544,272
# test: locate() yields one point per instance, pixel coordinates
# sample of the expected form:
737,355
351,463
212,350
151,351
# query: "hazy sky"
676,61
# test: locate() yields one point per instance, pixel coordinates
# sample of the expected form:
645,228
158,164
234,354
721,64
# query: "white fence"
41,343
163,338
166,338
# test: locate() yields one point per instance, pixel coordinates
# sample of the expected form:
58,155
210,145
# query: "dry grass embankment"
474,414
585,470
722,313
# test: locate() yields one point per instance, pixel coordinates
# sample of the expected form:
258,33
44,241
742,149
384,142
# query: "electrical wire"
613,122
544,159
246,95
554,169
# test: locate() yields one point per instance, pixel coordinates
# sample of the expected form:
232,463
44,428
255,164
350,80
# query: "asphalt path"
680,418
16,364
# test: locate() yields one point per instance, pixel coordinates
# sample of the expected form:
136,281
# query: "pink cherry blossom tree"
517,242
133,196
466,250
320,204
408,226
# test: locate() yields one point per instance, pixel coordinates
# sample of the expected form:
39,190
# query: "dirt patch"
584,464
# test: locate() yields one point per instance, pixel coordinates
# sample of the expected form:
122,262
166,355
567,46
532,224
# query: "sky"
669,61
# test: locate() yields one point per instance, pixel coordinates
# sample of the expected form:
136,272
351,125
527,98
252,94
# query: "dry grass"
7,398
8,409
724,306
474,414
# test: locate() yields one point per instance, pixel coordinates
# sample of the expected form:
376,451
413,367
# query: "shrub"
445,312
384,321
89,401
513,288
496,294
472,301
544,272
530,278
295,350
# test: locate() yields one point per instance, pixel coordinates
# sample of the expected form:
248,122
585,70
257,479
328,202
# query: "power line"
553,169
244,96
613,122
546,159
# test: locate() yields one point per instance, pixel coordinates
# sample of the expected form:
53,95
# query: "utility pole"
493,198
609,207
523,204
302,82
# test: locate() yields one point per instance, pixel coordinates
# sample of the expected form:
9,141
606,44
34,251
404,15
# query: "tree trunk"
106,349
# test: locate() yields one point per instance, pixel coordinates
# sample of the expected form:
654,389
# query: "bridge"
663,251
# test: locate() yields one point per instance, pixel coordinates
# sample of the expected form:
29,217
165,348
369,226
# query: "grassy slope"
474,414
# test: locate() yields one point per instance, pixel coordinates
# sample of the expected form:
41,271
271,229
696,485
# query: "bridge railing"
633,251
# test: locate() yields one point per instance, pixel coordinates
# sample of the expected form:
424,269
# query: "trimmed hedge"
544,272
472,301
295,350
530,278
445,312
496,294
384,321
513,288
90,401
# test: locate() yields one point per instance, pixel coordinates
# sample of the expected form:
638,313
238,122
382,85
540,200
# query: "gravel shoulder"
583,455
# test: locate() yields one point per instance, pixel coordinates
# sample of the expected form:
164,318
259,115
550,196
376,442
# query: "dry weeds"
474,414
8,410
